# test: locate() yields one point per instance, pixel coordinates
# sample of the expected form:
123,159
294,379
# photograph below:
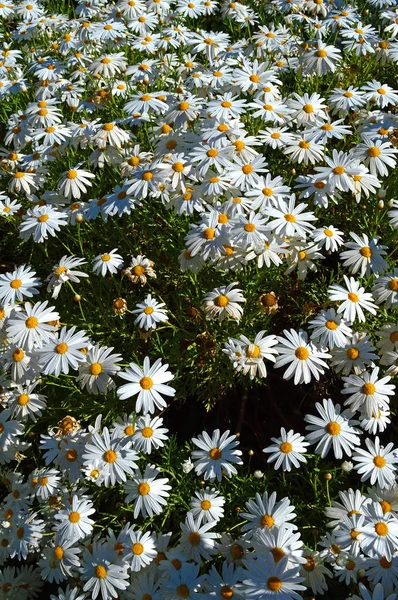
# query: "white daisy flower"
74,182
355,356
332,429
224,301
196,541
364,256
354,299
328,237
385,290
306,359
25,403
216,455
367,393
115,456
272,580
14,285
149,434
142,549
330,329
376,464
95,372
74,519
148,383
63,351
42,221
207,505
63,272
31,327
100,574
150,313
290,220
148,493
288,450
110,262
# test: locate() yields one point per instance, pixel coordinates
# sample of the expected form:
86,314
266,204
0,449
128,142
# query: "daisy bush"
198,299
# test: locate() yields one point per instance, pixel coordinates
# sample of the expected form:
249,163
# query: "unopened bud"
328,476
258,474
77,298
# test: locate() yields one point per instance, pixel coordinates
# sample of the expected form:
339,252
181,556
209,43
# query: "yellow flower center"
226,591
274,584
247,169
290,218
304,145
352,353
384,563
74,517
308,108
105,257
143,488
310,564
286,447
393,285
394,337
205,504
100,572
194,538
221,301
71,174
215,453
249,227
137,549
146,383
18,355
23,399
59,552
43,218
95,369
353,297
147,432
147,176
368,389
226,104
61,348
31,322
302,353
254,78
321,53
267,521
333,428
110,456
254,353
183,106
385,506
209,233
379,461
148,310
373,152
381,529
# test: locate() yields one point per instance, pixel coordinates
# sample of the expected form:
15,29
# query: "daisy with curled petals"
149,434
376,464
113,455
287,450
216,456
385,290
306,360
223,301
389,337
74,182
40,222
148,493
330,329
314,571
267,579
150,313
355,355
142,549
196,541
63,272
74,520
148,383
100,573
354,299
331,429
289,220
110,262
266,513
367,393
380,532
63,351
31,327
96,371
139,269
